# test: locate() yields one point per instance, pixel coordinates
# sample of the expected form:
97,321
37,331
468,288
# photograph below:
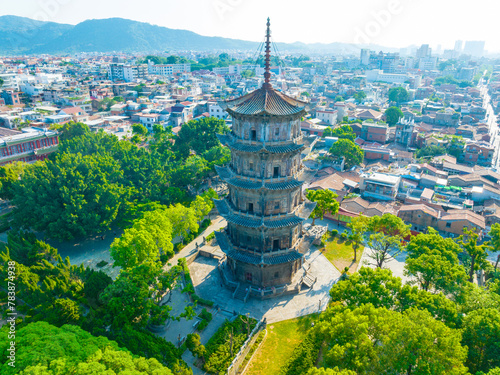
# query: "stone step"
240,293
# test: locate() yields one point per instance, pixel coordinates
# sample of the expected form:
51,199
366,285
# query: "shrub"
343,236
210,237
205,315
203,324
102,263
334,232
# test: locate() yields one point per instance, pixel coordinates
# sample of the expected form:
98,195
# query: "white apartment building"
327,115
168,69
216,111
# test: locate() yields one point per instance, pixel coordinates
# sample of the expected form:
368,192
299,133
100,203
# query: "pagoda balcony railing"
268,253
256,215
293,176
256,142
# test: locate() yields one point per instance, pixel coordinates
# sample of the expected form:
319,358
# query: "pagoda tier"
245,219
252,183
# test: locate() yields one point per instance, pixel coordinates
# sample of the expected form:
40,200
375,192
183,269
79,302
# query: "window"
253,134
276,244
277,132
448,225
250,207
250,167
248,276
277,205
276,275
276,171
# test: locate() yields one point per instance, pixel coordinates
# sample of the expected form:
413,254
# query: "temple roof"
264,101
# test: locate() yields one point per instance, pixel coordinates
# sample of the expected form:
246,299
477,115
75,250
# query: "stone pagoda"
265,207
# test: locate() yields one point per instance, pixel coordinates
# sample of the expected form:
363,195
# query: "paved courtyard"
208,284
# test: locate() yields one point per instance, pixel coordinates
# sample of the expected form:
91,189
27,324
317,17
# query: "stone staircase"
240,293
308,280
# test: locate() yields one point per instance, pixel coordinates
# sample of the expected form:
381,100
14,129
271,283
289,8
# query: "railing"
245,348
237,287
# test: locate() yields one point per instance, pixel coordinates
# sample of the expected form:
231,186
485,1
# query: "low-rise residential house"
373,132
360,206
379,186
453,222
419,216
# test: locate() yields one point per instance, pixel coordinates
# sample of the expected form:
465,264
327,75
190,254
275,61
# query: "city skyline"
392,24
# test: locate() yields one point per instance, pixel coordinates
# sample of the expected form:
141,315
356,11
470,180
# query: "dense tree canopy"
44,349
72,195
352,153
398,95
392,115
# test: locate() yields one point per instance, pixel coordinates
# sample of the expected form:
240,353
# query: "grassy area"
341,254
282,338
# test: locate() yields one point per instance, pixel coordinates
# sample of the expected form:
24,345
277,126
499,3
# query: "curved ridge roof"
265,100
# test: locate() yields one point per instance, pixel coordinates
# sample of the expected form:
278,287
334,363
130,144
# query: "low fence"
247,345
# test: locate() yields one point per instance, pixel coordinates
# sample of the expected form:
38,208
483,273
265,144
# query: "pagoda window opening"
276,244
250,207
250,167
276,172
277,132
253,135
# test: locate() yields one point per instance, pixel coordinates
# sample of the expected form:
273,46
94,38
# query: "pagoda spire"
267,66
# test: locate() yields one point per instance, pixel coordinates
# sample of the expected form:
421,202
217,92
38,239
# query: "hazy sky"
391,23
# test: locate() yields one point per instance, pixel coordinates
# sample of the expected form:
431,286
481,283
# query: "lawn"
341,254
282,338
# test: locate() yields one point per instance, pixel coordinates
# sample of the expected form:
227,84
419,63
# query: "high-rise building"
458,46
265,208
423,51
474,48
365,56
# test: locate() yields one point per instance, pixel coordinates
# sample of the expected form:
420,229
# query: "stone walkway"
190,249
208,284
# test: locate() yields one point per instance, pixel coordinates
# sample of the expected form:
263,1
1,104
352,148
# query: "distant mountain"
19,34
27,36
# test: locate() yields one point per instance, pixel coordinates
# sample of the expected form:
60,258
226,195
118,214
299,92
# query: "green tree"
139,129
199,136
95,285
9,175
359,96
344,132
434,272
325,203
358,227
339,98
352,153
398,95
481,333
183,219
45,349
147,239
73,129
495,241
476,253
392,115
70,195
64,311
376,340
386,240
1,82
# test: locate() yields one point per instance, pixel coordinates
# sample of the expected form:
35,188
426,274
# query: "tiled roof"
264,101
255,221
243,183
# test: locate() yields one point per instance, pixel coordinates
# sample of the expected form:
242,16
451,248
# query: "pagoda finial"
267,67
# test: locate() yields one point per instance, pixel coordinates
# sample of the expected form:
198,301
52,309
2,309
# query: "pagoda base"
243,289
